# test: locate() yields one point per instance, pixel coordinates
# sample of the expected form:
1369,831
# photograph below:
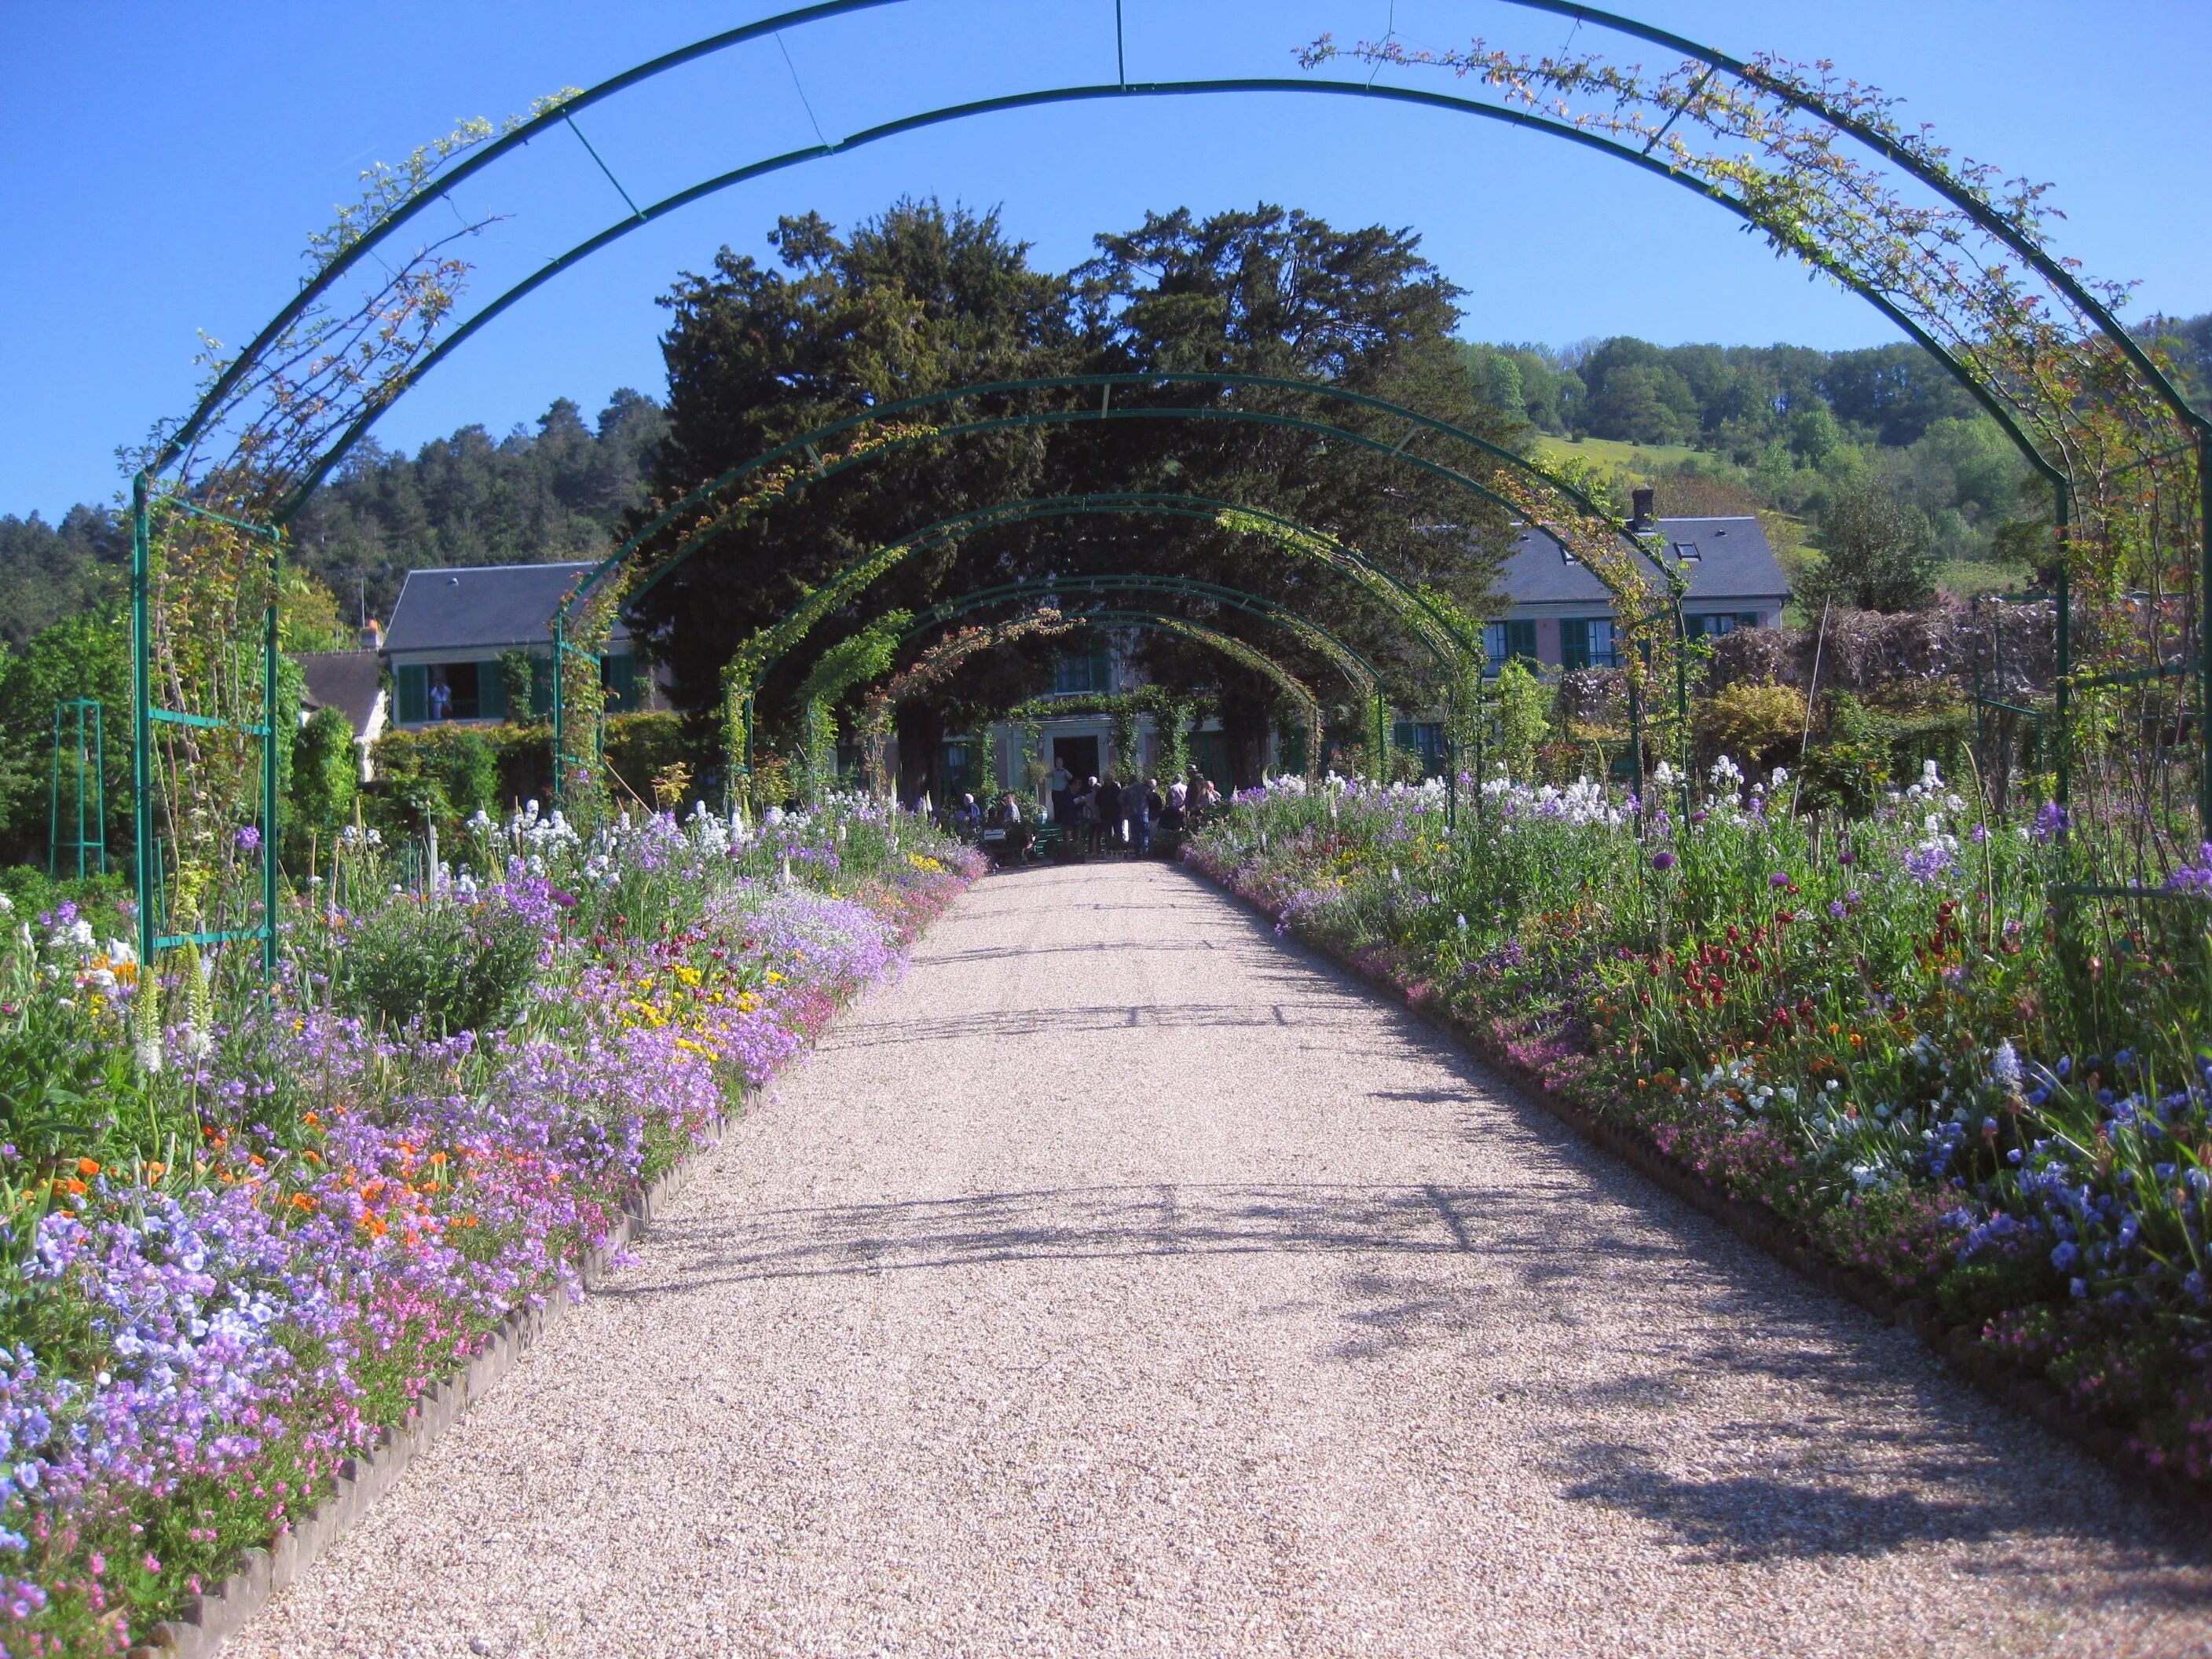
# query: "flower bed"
1875,1029
247,1232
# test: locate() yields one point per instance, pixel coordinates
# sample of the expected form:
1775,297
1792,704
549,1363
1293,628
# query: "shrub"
455,962
325,772
1524,717
1761,724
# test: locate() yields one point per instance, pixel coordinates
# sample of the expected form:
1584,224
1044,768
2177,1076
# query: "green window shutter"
413,680
622,683
1574,643
491,691
1521,639
1102,670
541,686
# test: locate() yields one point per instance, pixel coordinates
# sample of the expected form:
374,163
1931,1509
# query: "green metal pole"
54,797
142,732
83,755
100,773
2063,496
2204,629
1682,698
271,816
559,696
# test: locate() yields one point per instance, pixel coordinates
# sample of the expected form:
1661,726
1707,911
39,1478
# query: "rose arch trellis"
1959,260
1647,588
938,663
1430,621
1362,676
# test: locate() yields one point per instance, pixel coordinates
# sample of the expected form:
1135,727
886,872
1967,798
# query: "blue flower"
2062,1257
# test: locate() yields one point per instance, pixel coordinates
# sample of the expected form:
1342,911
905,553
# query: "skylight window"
1686,551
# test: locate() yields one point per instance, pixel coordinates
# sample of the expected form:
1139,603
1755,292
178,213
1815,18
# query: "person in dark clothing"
1086,814
1110,812
1062,783
1135,807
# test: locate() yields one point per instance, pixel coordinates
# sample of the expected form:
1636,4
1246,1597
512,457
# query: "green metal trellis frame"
1365,680
145,854
1440,636
1158,620
1986,214
1358,671
87,748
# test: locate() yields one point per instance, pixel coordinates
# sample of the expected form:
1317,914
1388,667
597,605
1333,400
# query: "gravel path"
1123,1282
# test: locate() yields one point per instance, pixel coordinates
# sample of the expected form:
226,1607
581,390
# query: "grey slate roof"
480,610
344,680
1733,563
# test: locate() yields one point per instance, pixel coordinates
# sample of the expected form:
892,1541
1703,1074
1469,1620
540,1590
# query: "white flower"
7,905
2005,1067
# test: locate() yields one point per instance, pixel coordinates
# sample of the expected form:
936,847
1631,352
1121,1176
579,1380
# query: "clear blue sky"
163,163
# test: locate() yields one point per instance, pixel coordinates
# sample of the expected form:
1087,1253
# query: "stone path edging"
1758,1225
211,1618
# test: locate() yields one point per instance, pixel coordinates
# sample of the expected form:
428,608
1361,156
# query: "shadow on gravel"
1759,1517
1105,1017
1082,1223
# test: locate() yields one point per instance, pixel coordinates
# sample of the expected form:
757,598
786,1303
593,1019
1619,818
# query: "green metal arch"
1214,639
808,444
1363,677
1975,210
1438,636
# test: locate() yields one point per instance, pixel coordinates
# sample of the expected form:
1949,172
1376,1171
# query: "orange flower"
75,1188
157,1169
301,1202
85,1166
311,1120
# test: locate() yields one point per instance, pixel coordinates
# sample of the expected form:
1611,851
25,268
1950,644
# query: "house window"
1425,738
953,765
1587,643
1713,624
430,692
1073,677
1502,641
1686,551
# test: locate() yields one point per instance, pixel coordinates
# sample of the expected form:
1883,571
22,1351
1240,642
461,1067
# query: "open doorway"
1078,754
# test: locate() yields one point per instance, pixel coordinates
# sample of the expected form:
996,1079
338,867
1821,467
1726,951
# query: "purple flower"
1927,861
249,838
1779,878
1838,908
1663,861
1847,856
2193,878
1978,834
2050,823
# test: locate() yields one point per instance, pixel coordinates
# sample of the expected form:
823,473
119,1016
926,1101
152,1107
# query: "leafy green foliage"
1876,554
455,967
1521,706
326,774
83,656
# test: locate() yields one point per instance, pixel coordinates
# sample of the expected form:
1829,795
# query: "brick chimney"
372,635
1647,515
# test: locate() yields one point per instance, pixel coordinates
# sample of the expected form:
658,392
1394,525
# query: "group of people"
1098,813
